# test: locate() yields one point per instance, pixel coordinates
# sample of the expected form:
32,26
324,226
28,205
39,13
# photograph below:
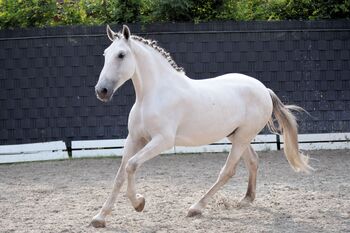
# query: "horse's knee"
254,164
119,182
227,173
131,166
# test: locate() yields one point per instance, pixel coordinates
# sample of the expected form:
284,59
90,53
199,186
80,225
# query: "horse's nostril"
104,91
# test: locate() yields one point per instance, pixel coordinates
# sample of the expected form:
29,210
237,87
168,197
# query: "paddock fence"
47,79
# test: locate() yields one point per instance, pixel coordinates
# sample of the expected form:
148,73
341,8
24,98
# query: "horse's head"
119,66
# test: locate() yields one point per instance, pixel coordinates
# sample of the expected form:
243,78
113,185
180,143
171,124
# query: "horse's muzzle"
103,94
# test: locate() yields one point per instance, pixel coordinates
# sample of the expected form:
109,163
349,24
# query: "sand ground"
62,196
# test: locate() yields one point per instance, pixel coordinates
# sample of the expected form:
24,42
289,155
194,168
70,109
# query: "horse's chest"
146,122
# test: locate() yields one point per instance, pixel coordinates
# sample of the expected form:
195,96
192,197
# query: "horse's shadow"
283,221
116,230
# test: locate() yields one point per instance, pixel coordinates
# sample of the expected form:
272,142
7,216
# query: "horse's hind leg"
250,158
240,143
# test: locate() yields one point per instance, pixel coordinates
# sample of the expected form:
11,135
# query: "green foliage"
40,13
309,9
128,11
331,9
67,13
184,10
171,10
207,10
292,9
251,10
22,13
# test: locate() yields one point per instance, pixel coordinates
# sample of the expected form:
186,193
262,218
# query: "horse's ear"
126,32
111,35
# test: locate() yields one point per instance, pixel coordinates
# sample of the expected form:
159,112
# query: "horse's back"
233,81
235,89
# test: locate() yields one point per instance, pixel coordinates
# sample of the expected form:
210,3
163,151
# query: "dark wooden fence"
47,76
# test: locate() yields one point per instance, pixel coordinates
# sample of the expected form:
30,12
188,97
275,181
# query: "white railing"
33,152
114,147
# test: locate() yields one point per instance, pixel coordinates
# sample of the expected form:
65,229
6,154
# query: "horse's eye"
121,55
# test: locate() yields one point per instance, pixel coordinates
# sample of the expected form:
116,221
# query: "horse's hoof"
98,222
247,201
193,212
140,206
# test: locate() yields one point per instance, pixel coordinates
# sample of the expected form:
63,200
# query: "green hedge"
40,13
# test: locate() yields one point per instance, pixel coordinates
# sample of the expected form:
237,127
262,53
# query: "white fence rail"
114,147
33,152
329,141
93,148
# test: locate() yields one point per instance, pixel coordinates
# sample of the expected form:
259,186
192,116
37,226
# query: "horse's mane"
163,52
153,44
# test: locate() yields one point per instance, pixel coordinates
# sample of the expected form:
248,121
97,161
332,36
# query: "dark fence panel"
47,76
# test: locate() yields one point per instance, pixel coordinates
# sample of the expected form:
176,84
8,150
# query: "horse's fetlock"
129,195
106,212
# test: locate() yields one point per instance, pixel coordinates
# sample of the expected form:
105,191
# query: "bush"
331,9
309,9
23,13
40,13
170,10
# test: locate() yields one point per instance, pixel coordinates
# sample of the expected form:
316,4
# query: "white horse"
174,110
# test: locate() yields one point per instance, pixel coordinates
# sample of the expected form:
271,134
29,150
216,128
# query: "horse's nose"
101,92
104,91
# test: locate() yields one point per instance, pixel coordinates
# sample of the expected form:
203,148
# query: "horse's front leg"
131,148
157,145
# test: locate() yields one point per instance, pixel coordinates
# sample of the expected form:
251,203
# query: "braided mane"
153,44
163,52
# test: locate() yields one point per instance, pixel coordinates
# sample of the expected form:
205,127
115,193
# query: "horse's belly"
195,139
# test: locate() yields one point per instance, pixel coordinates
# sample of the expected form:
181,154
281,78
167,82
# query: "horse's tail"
289,127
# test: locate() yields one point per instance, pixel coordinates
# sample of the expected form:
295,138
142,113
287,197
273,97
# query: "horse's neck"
152,71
